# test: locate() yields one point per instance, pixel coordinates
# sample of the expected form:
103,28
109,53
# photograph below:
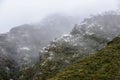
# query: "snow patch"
66,35
89,33
101,28
25,48
50,58
83,23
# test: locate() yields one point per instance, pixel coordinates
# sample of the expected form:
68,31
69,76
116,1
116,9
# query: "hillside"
22,47
25,41
91,35
104,65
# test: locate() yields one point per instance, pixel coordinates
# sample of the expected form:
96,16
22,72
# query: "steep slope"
104,65
89,36
24,42
20,46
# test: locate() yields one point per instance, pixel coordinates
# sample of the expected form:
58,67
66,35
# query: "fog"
18,12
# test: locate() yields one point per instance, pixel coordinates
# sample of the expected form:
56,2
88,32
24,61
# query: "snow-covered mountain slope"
86,38
21,45
24,44
25,41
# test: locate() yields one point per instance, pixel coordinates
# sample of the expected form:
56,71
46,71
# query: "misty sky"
18,12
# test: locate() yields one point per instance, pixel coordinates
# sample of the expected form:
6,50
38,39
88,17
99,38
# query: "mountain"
91,35
20,47
25,41
23,45
103,65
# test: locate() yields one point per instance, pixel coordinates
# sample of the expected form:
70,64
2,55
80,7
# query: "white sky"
18,12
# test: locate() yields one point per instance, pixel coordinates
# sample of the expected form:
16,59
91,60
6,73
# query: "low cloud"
17,12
